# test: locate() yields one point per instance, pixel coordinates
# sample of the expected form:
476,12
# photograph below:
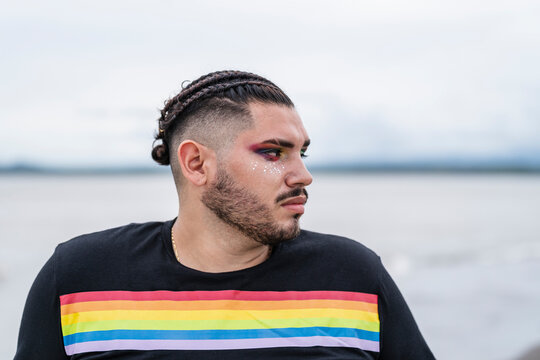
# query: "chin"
280,234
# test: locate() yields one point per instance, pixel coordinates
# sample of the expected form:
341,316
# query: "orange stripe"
216,305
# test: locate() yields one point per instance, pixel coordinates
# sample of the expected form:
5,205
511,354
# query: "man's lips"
295,204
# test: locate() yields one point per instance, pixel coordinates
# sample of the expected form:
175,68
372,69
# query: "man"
233,276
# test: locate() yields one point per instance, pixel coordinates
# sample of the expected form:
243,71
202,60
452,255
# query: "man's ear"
196,161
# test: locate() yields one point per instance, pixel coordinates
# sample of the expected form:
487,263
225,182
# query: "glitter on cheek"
274,169
267,168
253,165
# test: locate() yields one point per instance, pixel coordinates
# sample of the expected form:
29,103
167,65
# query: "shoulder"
90,260
335,251
333,244
104,240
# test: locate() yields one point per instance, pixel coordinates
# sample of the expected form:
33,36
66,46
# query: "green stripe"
217,324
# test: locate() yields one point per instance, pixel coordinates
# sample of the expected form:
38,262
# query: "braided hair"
209,100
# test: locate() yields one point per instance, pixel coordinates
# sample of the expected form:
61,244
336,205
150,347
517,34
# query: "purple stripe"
229,344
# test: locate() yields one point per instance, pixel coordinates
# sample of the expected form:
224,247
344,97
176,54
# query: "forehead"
272,121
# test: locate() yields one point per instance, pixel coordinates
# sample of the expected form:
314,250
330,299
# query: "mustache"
292,193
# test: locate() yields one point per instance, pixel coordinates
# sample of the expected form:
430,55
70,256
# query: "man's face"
260,184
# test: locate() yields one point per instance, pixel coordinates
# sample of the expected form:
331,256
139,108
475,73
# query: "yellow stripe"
216,315
218,324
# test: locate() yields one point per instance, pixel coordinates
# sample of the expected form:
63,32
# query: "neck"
207,244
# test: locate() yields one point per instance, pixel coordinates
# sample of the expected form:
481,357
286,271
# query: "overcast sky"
82,82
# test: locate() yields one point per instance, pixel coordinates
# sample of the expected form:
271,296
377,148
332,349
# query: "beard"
243,210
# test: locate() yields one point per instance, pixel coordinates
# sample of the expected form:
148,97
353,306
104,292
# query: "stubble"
243,210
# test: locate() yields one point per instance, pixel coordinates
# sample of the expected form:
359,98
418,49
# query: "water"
464,249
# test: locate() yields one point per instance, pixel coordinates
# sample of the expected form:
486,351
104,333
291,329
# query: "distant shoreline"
334,169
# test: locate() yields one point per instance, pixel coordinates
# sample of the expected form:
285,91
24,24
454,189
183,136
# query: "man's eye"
303,154
271,154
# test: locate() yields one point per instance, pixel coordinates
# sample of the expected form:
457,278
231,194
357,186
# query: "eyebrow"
285,143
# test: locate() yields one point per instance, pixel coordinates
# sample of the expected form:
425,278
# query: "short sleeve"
400,337
40,334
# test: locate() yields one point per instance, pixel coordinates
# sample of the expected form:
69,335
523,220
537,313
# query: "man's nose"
298,175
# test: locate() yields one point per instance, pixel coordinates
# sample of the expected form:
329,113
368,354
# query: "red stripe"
215,295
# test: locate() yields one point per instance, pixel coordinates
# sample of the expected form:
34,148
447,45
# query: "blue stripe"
218,334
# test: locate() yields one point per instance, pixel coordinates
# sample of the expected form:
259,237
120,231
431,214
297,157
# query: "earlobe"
192,157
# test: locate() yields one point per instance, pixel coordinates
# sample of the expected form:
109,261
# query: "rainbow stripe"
217,320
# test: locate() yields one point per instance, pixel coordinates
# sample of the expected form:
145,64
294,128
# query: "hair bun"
160,154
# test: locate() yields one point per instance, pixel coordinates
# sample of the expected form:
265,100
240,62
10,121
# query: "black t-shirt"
121,294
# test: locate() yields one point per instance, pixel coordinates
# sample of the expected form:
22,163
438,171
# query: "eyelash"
267,154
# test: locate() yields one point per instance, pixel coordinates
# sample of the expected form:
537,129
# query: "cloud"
375,80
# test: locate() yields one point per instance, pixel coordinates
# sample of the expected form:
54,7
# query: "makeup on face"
266,167
273,153
277,149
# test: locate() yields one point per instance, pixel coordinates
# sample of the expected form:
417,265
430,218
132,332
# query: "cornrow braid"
236,86
170,115
220,77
